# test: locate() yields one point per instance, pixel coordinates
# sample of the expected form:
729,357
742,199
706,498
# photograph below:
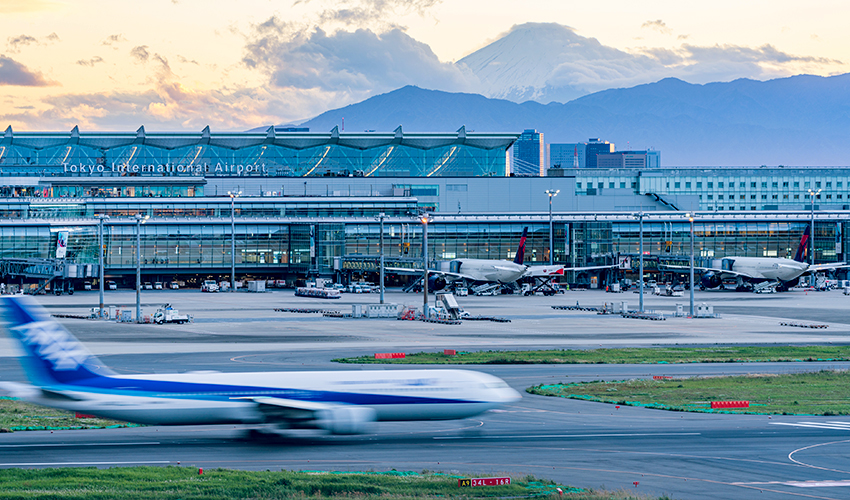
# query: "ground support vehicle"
167,314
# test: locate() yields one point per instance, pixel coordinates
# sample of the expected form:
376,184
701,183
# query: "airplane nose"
509,395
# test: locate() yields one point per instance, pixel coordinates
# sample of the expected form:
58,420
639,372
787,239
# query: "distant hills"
797,121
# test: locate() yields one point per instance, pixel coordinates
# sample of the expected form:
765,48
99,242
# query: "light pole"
552,193
691,220
639,216
424,218
812,195
233,197
381,217
100,218
140,219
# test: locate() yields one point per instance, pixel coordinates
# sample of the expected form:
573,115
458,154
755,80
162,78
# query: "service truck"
167,314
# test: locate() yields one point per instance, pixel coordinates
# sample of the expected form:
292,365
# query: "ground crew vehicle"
167,314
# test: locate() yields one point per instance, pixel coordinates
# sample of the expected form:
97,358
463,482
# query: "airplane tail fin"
51,354
803,249
520,252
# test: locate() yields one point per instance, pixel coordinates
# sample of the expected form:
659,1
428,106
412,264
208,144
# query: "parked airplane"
64,374
760,273
492,270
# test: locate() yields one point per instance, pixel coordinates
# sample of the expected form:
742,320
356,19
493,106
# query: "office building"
529,154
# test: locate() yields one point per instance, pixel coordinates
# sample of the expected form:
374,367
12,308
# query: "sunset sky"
185,64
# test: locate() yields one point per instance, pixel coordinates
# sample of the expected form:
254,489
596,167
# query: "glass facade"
210,207
277,247
251,154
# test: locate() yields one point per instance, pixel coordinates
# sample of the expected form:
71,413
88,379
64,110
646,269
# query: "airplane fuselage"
231,398
769,268
495,270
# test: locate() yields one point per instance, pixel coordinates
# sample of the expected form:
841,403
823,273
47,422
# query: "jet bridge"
61,272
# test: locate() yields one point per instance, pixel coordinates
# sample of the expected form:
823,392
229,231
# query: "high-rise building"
572,155
597,147
529,153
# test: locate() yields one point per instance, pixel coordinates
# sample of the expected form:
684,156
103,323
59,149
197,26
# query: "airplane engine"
346,420
436,283
710,280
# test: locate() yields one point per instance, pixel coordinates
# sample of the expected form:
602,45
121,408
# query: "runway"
591,445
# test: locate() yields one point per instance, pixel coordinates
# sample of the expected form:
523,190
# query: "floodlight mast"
233,197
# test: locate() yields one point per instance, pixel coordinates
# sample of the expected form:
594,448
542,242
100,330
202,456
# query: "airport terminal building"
308,204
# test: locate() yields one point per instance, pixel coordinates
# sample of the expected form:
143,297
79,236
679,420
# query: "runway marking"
838,426
46,464
817,484
802,484
549,436
58,445
791,456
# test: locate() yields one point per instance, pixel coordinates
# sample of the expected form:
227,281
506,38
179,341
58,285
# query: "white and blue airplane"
64,374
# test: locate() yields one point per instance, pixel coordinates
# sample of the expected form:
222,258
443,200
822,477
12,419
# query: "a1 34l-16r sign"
483,481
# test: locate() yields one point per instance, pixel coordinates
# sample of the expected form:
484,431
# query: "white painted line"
549,436
817,484
72,445
50,464
813,425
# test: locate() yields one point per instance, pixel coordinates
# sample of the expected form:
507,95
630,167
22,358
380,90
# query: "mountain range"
796,121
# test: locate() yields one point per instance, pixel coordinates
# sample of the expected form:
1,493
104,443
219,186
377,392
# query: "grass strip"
153,483
18,415
638,355
816,393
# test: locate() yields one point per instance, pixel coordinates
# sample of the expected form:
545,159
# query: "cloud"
14,43
357,63
113,39
90,62
23,6
15,73
187,61
140,53
657,25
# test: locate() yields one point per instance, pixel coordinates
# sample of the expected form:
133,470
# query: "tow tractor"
167,314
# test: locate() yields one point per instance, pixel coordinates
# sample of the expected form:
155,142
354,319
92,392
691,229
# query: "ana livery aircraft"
760,273
64,374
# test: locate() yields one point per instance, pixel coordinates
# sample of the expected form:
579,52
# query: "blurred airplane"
64,374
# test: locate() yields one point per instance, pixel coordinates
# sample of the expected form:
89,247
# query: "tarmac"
244,321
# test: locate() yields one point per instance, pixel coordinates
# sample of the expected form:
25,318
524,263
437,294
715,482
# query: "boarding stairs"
486,289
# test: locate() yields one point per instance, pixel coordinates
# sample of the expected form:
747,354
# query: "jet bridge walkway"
61,272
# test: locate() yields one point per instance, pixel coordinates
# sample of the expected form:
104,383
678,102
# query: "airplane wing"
826,267
335,417
713,270
410,270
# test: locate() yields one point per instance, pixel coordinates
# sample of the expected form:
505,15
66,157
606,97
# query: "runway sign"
483,481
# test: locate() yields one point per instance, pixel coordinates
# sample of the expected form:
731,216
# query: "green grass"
17,416
816,393
716,354
184,483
